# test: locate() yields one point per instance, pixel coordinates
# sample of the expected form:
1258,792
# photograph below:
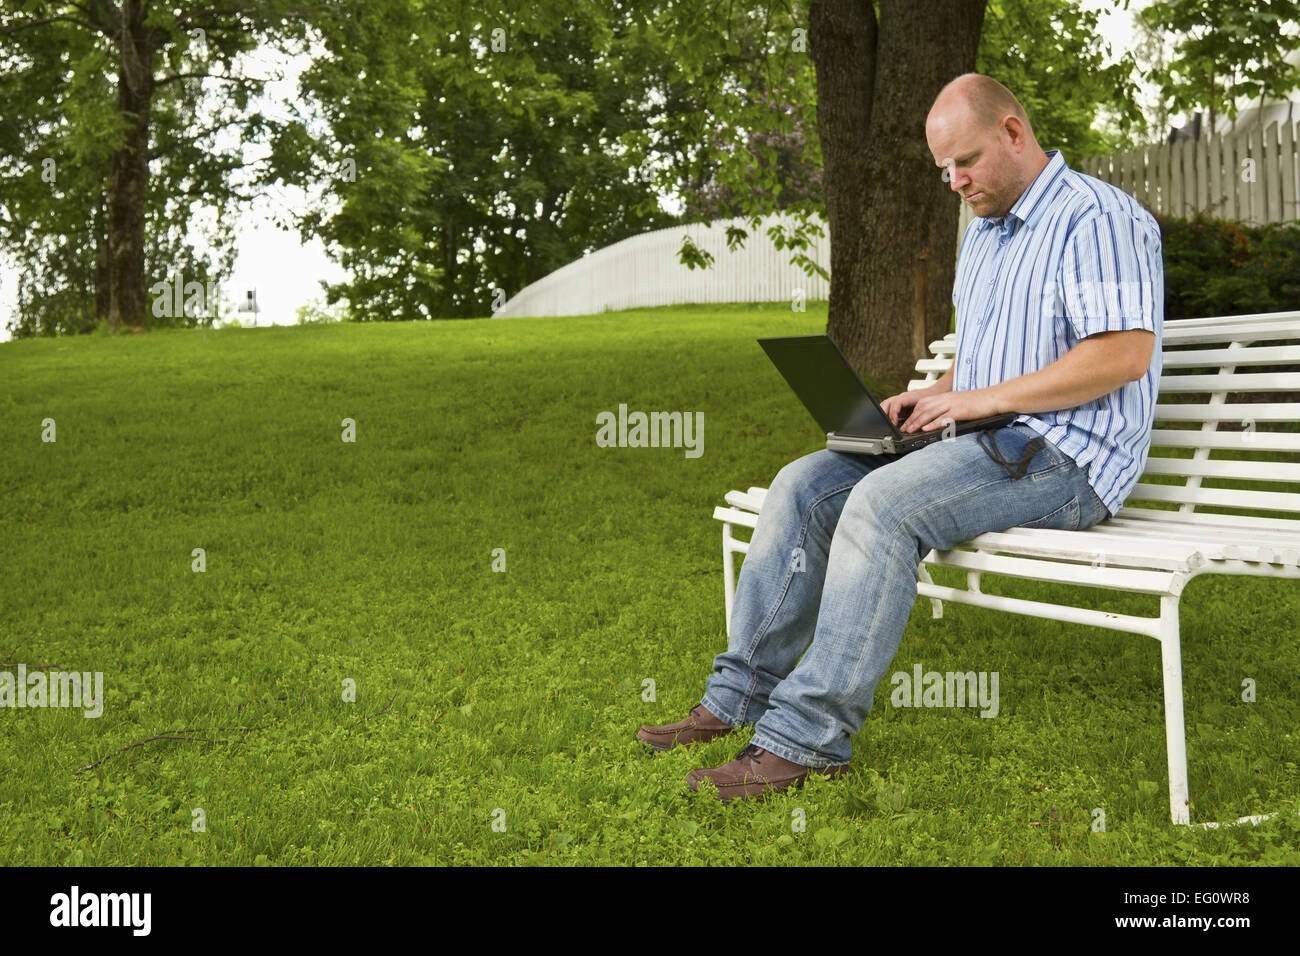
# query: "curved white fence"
644,271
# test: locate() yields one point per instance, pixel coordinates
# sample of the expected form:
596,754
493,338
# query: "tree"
464,152
1226,52
892,219
128,100
877,69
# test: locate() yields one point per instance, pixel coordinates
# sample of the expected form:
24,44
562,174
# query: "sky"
286,272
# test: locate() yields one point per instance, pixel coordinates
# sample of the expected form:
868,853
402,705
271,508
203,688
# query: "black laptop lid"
828,386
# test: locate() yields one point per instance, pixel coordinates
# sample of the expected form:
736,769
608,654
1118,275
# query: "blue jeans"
834,561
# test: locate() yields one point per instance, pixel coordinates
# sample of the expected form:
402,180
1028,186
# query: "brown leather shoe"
755,772
699,725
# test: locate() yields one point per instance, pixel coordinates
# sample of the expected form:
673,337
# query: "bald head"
980,134
988,100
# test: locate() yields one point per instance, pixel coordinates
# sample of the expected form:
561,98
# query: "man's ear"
1015,130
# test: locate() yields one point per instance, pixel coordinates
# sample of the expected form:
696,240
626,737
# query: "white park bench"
1146,548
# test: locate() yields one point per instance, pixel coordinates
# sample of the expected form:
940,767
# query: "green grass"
479,691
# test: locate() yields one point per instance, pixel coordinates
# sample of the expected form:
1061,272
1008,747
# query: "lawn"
434,644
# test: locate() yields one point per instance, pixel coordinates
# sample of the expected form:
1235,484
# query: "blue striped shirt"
1075,256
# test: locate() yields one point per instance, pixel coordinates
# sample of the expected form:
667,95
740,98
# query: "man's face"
981,164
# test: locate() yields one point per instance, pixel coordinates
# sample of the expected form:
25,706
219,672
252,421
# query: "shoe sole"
832,773
659,750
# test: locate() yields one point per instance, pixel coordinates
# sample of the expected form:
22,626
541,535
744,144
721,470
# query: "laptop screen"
828,386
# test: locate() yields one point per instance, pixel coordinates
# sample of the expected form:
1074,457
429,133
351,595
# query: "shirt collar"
1032,202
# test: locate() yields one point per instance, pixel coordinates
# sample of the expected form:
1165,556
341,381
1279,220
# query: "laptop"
853,421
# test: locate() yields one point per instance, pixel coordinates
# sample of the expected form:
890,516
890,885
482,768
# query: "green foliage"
59,67
1050,54
55,142
756,118
1225,52
753,122
462,153
761,149
1217,267
317,313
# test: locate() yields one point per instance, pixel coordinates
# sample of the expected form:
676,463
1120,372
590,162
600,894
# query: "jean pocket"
1092,510
1064,518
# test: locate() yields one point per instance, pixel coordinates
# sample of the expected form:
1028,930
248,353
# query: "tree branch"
12,28
253,83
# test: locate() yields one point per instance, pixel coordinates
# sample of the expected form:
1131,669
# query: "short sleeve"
1112,275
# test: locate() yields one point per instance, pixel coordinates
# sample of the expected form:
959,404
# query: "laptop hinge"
861,445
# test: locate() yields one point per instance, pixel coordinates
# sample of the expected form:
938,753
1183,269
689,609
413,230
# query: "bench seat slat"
740,499
1284,553
1172,544
1132,515
1116,550
1123,579
1208,536
747,519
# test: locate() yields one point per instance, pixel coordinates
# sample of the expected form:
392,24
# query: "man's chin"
984,209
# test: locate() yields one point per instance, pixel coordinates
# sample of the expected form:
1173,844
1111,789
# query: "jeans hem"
804,758
720,712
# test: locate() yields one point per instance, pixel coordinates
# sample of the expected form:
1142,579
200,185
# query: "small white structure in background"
644,271
250,305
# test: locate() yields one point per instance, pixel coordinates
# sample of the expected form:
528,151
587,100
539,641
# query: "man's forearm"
1095,367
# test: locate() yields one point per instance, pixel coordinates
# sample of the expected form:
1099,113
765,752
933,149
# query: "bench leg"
936,606
1171,660
728,572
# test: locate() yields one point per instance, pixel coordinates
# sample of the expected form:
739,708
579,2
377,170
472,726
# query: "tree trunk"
893,221
129,172
103,297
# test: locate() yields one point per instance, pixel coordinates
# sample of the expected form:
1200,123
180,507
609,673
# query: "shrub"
1216,267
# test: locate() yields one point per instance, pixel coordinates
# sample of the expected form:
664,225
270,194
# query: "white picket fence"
1251,175
643,271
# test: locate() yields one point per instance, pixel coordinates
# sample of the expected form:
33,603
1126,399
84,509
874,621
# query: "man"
1060,300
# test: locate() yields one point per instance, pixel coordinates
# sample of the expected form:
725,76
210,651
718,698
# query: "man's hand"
896,406
937,410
